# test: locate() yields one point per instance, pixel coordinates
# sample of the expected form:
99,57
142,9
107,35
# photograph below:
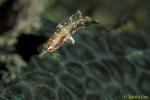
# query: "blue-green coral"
97,67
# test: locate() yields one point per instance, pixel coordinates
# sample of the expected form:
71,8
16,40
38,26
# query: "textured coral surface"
101,65
97,67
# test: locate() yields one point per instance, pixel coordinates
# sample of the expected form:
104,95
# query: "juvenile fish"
65,31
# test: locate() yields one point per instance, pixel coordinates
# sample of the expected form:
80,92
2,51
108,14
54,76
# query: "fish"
65,31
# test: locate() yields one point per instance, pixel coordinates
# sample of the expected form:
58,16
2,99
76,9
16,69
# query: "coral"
97,67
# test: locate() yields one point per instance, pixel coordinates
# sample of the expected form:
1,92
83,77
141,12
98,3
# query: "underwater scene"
74,50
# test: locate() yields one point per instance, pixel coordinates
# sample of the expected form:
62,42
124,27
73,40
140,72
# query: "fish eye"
50,49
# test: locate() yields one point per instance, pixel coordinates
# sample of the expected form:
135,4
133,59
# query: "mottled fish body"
65,31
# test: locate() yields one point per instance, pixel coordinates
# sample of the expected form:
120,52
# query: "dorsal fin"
72,18
76,15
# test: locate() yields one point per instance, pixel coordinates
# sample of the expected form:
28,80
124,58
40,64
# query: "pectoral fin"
70,40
